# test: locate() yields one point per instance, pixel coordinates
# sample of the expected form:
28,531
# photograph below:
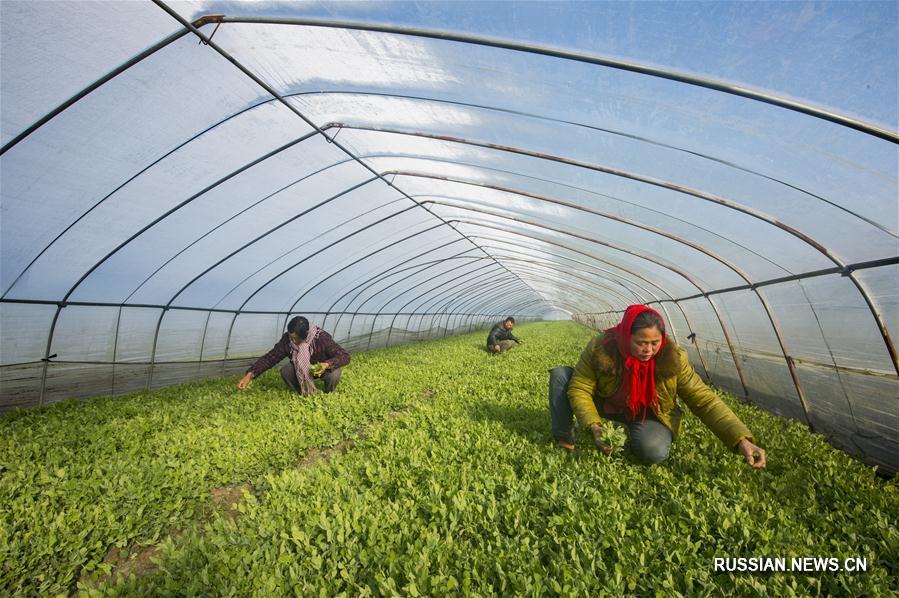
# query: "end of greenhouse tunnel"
178,187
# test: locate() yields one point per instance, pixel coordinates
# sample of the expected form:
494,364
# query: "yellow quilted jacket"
598,374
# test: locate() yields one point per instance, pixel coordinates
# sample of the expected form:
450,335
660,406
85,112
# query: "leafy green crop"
450,486
613,435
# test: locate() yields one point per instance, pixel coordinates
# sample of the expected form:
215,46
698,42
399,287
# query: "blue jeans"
650,438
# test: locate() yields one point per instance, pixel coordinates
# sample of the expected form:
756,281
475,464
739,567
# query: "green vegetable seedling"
613,436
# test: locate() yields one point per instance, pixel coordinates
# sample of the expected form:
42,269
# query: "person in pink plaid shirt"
305,345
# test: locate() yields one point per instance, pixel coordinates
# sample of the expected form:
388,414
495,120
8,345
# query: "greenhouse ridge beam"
670,74
227,56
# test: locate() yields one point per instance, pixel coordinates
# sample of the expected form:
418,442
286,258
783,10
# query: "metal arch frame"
383,275
650,259
430,290
403,279
500,310
502,304
473,274
464,39
493,292
287,313
471,285
498,298
364,257
253,205
555,183
472,304
587,268
555,267
614,172
773,321
545,278
380,277
613,132
691,336
577,251
272,92
445,306
592,282
669,74
427,266
286,222
716,199
249,74
426,100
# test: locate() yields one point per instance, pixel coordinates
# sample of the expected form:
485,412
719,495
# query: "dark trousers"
330,378
650,438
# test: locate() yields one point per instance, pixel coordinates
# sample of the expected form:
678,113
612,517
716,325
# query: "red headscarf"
638,387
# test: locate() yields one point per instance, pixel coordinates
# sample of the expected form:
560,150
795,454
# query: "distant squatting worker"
305,344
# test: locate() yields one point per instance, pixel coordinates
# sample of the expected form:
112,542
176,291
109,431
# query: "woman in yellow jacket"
633,374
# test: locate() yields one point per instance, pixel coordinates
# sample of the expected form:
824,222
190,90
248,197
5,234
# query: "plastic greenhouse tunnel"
182,179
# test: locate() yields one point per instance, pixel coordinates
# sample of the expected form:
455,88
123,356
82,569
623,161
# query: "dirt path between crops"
139,560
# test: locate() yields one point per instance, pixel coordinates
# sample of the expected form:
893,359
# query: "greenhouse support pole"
47,356
589,268
153,353
228,342
571,55
471,285
354,262
203,345
471,303
557,281
115,349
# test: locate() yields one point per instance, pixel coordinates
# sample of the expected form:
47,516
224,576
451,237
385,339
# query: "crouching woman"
633,374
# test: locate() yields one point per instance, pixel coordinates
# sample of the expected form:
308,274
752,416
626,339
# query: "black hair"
299,326
648,319
509,319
